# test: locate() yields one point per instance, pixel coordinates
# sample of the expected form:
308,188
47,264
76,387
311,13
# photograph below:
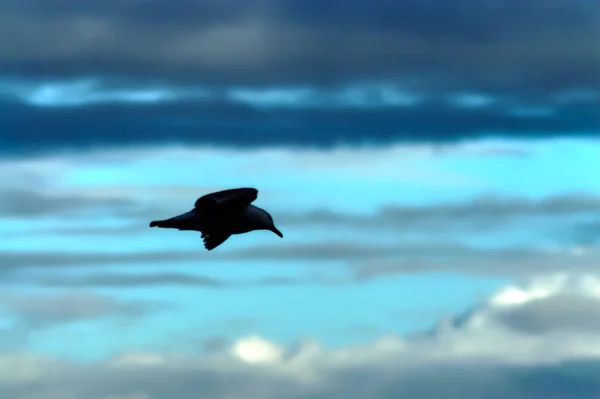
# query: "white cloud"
254,349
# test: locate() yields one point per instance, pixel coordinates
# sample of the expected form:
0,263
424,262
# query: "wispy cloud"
41,310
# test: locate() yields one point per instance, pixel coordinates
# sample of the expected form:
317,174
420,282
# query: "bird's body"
219,215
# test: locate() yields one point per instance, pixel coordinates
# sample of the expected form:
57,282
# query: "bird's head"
268,224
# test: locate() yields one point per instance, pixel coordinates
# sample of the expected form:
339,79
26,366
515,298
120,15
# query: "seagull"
221,214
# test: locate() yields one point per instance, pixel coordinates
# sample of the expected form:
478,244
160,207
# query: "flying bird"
221,214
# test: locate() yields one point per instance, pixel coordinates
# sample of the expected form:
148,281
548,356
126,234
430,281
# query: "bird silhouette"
221,214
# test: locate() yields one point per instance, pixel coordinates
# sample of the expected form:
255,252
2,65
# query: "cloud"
587,233
469,44
219,123
323,251
514,261
81,191
473,227
567,312
550,305
472,355
290,74
31,203
125,280
15,260
361,264
482,212
140,280
42,310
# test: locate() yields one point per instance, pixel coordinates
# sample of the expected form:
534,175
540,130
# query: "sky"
433,166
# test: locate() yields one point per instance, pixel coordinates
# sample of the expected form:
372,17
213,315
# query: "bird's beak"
274,230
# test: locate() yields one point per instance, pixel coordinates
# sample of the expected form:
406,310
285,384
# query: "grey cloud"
129,229
367,260
31,195
559,219
564,313
363,264
415,256
32,203
215,344
42,310
478,213
13,260
567,307
491,262
129,280
586,233
139,280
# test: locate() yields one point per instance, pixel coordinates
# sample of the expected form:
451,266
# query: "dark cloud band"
525,46
26,128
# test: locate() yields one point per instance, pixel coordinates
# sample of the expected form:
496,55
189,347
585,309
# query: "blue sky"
433,168
309,295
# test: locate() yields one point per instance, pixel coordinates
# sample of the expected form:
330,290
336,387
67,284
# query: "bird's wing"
227,199
213,240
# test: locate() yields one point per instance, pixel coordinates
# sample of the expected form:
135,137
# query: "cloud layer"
290,73
406,236
484,352
95,200
520,45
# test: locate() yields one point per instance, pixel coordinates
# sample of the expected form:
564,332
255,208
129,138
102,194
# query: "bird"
220,215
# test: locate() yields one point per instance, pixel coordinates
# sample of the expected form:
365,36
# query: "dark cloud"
527,50
27,129
513,44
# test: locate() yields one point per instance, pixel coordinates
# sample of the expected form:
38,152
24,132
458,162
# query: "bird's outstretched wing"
213,240
227,199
